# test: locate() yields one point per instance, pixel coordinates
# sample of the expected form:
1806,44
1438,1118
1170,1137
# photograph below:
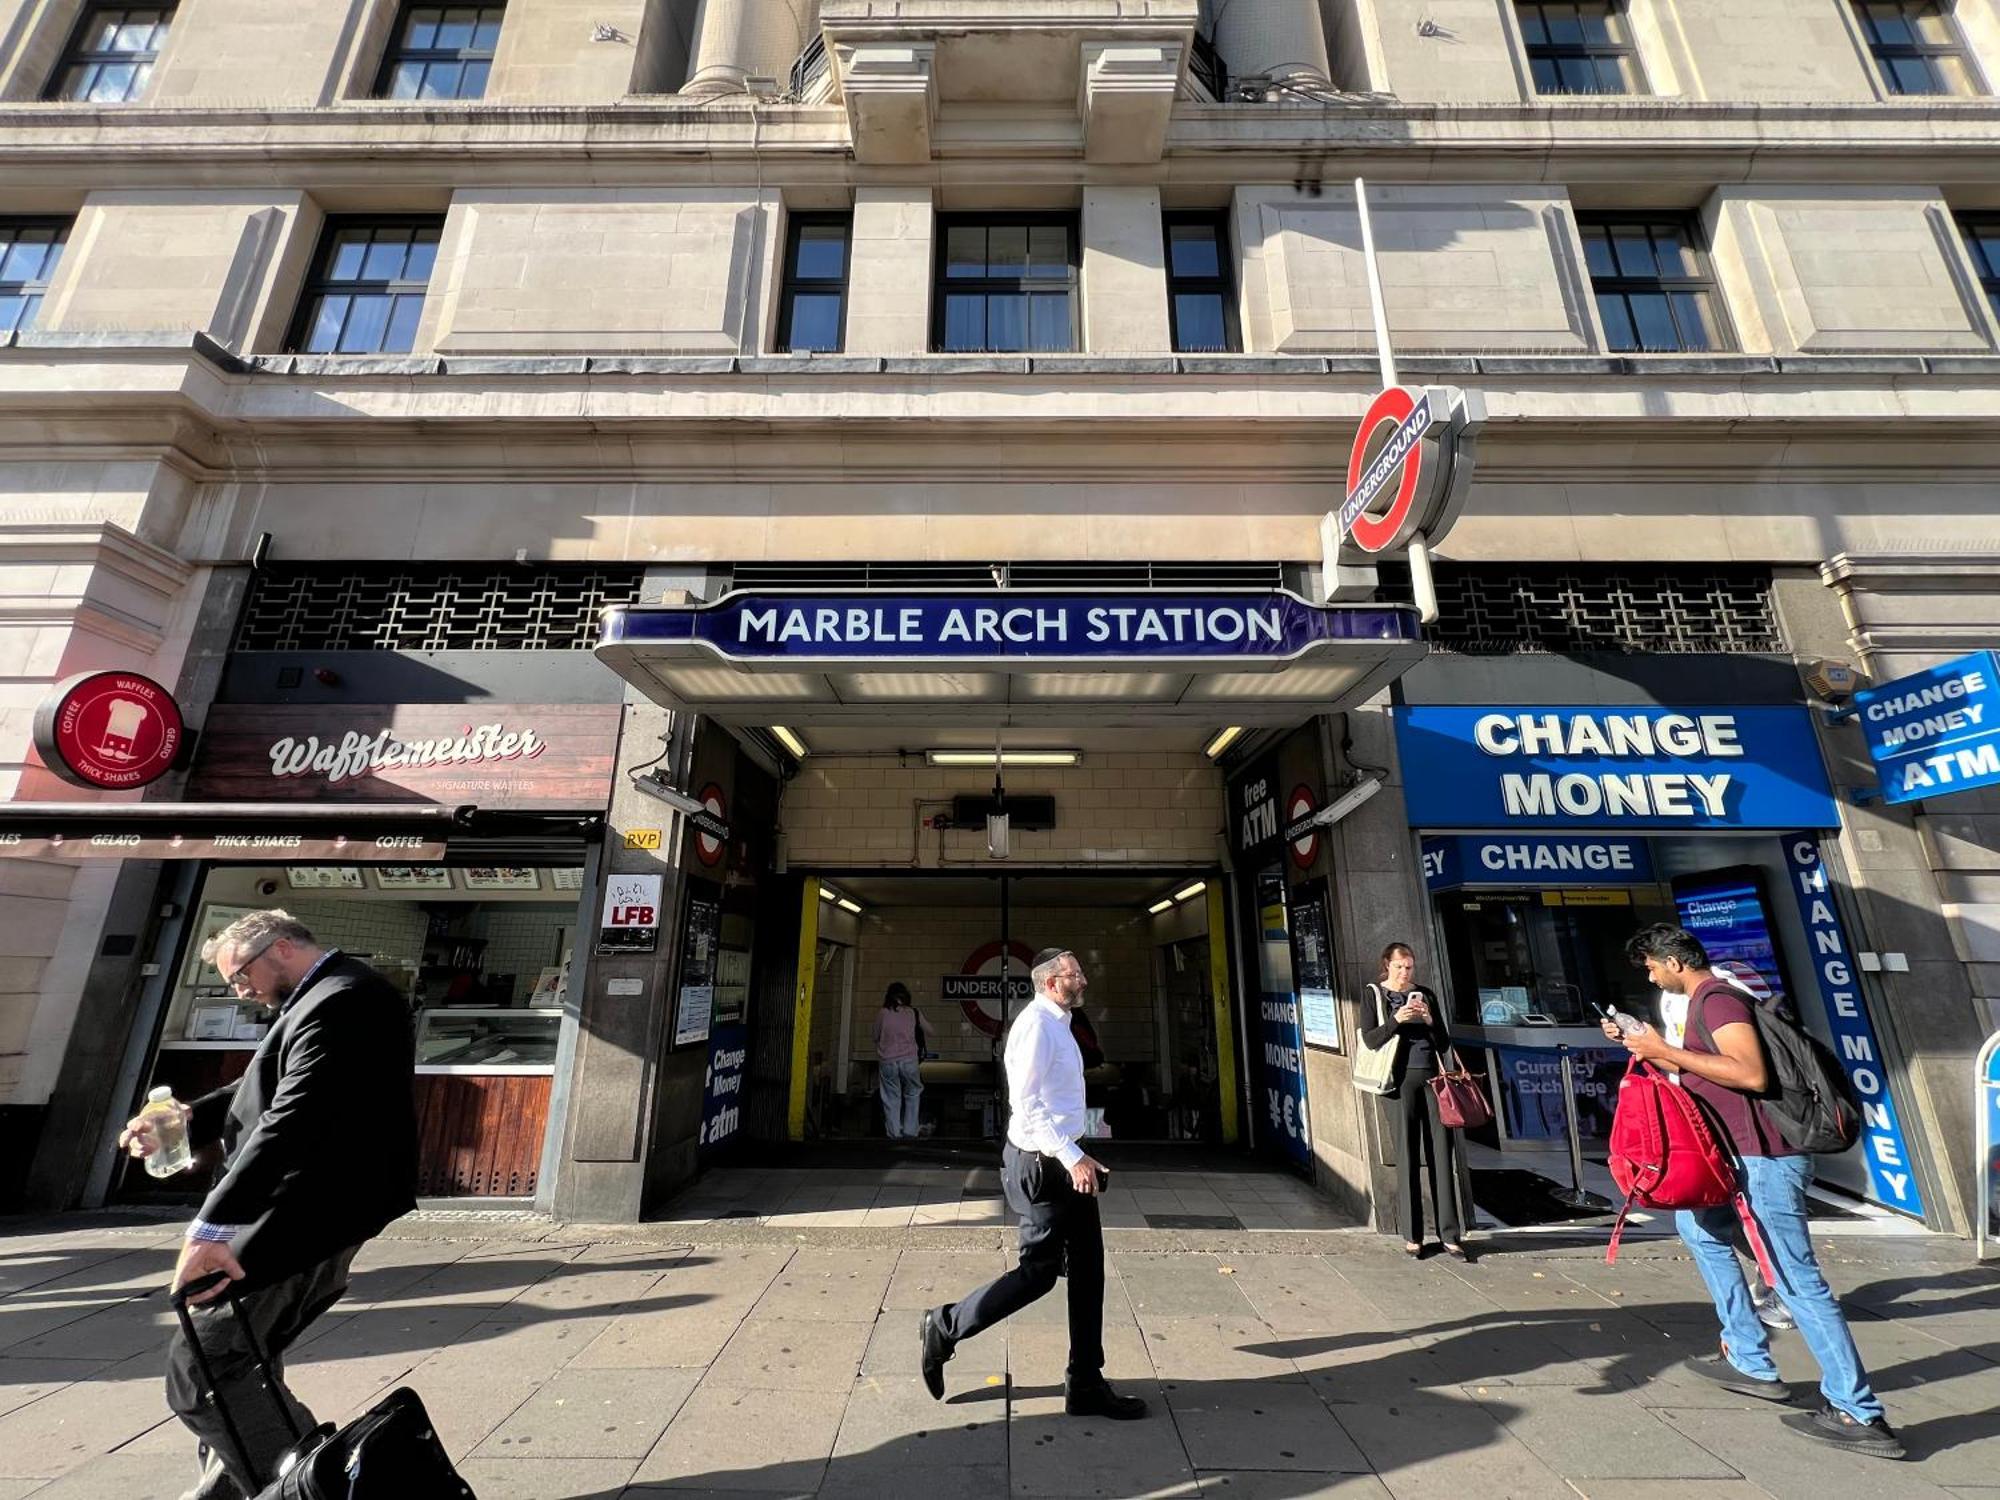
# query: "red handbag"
1461,1103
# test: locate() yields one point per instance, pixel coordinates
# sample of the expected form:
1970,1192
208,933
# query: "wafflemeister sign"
1012,626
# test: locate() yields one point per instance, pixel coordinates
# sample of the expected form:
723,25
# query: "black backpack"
1807,1096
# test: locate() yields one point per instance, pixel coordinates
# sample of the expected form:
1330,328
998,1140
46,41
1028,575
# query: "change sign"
1935,731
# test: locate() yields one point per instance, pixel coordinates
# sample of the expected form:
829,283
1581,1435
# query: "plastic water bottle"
171,1153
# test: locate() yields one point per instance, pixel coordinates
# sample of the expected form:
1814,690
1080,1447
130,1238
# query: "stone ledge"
957,364
1251,364
1697,364
1091,364
515,364
1549,364
805,364
1851,364
651,364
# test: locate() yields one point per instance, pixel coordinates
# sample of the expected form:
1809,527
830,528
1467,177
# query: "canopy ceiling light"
1189,892
1222,741
791,742
1165,903
846,905
1006,757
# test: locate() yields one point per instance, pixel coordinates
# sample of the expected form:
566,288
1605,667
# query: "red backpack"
1665,1154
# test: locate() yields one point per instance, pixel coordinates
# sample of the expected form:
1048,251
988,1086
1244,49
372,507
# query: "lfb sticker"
631,922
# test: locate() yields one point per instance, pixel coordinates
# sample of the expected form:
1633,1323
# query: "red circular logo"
1303,804
707,847
112,731
1374,533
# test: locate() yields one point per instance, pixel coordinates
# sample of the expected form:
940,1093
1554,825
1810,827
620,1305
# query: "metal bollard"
1575,1195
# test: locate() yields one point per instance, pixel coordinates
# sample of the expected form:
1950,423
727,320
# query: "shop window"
814,314
441,52
1579,47
1006,284
1546,957
111,54
30,250
1982,239
366,291
1654,291
1917,47
1201,302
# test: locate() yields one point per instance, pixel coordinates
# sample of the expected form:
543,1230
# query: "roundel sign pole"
1411,462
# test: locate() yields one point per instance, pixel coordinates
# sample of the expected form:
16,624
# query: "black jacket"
319,1136
1379,1024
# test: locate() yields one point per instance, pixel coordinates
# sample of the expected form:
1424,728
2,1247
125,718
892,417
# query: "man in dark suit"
319,1153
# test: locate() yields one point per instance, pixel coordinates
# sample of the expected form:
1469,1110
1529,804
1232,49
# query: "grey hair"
1039,975
256,932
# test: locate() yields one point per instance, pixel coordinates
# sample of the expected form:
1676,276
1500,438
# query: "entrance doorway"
1154,1032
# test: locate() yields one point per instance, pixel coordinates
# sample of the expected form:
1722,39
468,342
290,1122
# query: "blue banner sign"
1535,860
1890,1179
1013,626
1935,731
1533,1103
1576,767
722,1088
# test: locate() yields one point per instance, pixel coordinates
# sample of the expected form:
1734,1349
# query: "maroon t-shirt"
1716,1004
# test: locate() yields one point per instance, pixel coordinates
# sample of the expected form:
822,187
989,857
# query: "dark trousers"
278,1312
1056,1220
1426,1144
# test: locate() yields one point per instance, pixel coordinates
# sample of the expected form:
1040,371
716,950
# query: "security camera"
655,785
267,887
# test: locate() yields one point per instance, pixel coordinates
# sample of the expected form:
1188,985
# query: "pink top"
896,1033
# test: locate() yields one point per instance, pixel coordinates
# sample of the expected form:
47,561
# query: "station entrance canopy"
1016,656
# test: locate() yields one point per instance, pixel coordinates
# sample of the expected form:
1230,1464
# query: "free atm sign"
631,921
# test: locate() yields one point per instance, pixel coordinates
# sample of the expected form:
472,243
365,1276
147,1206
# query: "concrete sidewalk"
563,1363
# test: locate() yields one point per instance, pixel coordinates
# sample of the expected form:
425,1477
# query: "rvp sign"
631,919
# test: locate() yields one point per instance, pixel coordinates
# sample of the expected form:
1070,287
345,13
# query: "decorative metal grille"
431,609
1497,609
1028,575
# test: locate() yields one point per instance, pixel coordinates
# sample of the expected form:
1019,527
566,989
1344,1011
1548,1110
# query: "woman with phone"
1398,1006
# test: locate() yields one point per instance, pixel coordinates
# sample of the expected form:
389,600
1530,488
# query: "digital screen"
1726,910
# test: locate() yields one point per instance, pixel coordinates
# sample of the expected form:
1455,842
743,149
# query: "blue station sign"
1935,731
1612,768
1008,627
1534,860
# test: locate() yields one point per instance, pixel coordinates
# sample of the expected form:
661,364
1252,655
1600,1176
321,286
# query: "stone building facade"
1792,378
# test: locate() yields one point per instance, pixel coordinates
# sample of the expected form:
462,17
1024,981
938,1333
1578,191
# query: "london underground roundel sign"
1408,469
111,731
1400,464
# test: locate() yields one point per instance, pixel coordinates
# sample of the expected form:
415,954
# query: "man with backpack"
1725,1065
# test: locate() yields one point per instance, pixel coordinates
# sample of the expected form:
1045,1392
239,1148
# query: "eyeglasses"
235,981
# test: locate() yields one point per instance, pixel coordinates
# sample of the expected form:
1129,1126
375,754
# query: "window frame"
11,226
1986,269
75,55
394,54
1881,53
317,285
1222,285
792,283
1704,282
1558,52
989,286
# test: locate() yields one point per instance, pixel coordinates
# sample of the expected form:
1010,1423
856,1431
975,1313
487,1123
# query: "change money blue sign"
1935,731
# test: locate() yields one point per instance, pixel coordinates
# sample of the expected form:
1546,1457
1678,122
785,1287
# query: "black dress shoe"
1097,1399
936,1350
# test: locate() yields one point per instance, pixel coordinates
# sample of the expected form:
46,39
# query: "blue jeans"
901,1087
1776,1186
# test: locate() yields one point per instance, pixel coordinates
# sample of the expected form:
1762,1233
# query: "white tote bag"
1375,1067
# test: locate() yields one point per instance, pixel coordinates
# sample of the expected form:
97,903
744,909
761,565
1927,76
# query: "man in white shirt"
1053,1186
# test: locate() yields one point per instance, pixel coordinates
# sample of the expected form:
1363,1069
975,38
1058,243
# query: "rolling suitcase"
389,1452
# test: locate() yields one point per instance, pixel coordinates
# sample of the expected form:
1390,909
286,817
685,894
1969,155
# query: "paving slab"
1598,1436
122,1476
1053,1454
1181,1286
892,1425
1447,1451
793,1354
1237,1348
893,1349
665,1329
845,1481
1260,1424
26,1380
592,1414
547,1478
726,1439
1038,1355
1253,1485
928,1278
841,1286
1790,1467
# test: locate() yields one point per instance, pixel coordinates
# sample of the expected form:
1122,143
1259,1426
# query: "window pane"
13,313
1635,250
1984,244
1910,75
406,80
367,322
1653,320
1049,330
1048,250
1194,251
1597,251
1928,23
822,252
325,334
31,313
1953,75
1598,25
473,85
1532,28
422,29
1007,322
1198,323
441,81
965,250
423,256
103,33
1676,257
1616,75
134,37
402,335
1891,26
1007,250
1617,324
1694,316
456,29
815,321
1993,299
1565,29
350,249
22,262
1578,75
384,261
487,37
964,323
1548,78
113,85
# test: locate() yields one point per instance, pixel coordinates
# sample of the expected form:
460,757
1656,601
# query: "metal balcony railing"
1208,68
810,67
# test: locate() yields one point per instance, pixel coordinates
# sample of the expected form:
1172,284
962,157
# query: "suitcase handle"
179,1299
